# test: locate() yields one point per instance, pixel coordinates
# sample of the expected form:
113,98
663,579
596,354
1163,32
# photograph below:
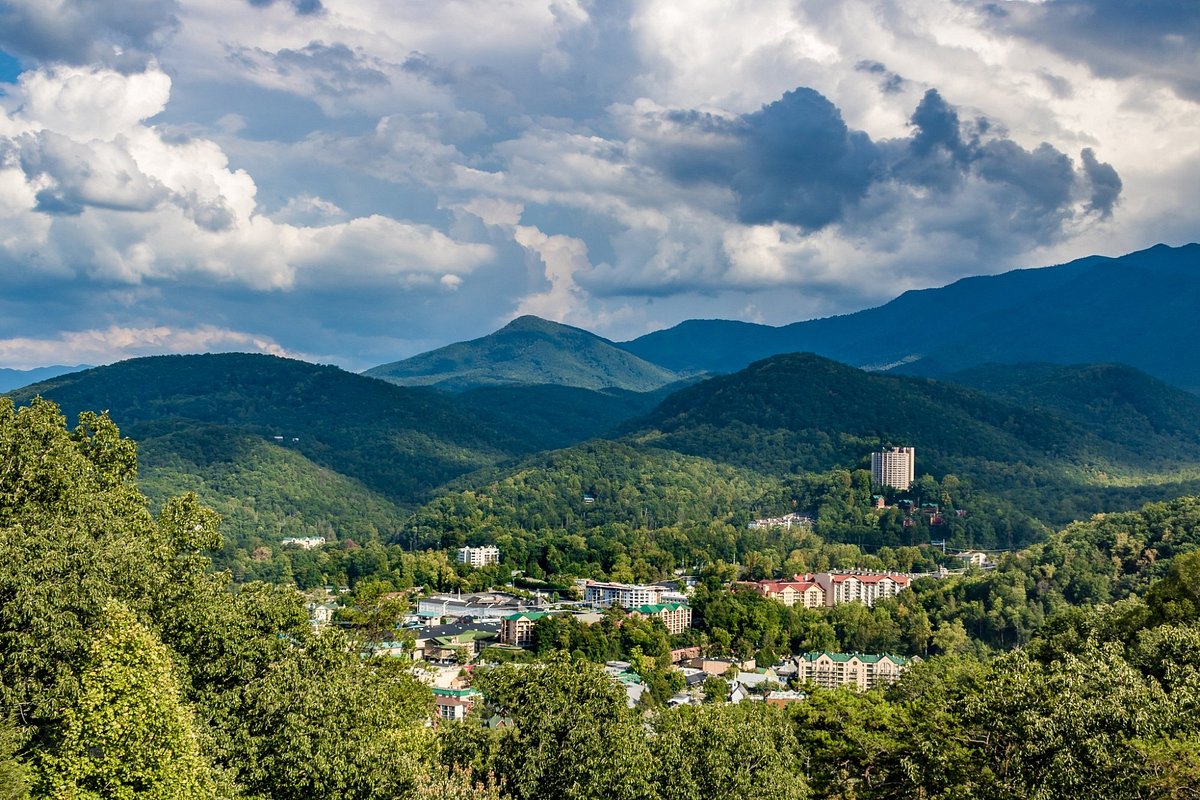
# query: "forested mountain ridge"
286,448
797,431
1134,309
398,441
529,350
829,410
1115,401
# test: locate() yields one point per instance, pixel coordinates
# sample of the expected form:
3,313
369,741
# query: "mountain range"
1139,309
282,447
16,378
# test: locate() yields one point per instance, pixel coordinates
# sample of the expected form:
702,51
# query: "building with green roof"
861,670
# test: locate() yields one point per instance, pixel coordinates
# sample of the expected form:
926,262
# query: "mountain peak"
528,351
531,322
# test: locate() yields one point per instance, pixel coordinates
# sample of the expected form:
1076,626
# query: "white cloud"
129,204
106,345
561,258
493,155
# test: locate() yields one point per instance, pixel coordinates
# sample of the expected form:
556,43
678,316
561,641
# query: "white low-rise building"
304,543
626,595
479,556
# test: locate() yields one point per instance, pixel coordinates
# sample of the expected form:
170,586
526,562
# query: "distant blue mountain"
17,378
1140,309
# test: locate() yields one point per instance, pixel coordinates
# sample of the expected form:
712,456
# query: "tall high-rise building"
894,467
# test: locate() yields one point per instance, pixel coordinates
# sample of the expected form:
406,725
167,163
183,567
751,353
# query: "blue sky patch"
10,68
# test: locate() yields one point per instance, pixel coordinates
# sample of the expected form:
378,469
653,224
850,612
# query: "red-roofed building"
803,591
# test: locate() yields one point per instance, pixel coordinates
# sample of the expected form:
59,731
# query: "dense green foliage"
105,609
547,417
263,492
1113,401
399,442
129,668
130,734
529,350
572,736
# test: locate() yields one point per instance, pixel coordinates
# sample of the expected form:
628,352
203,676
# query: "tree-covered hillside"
547,417
263,492
800,412
399,442
1113,401
529,350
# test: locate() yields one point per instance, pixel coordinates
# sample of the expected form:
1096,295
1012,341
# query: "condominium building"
864,587
828,589
518,628
894,467
677,617
860,670
803,591
625,595
479,556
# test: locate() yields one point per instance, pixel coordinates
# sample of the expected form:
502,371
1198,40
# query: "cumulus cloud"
105,345
131,204
796,161
561,257
122,34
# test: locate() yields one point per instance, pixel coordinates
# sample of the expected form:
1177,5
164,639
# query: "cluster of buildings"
827,589
304,543
787,521
479,606
627,595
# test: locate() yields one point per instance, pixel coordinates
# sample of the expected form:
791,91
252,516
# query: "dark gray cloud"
1105,183
796,161
792,161
801,164
1159,39
119,34
303,7
890,82
337,67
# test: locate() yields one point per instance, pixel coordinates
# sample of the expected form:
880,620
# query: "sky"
358,181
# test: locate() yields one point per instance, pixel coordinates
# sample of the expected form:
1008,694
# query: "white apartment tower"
479,556
894,468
